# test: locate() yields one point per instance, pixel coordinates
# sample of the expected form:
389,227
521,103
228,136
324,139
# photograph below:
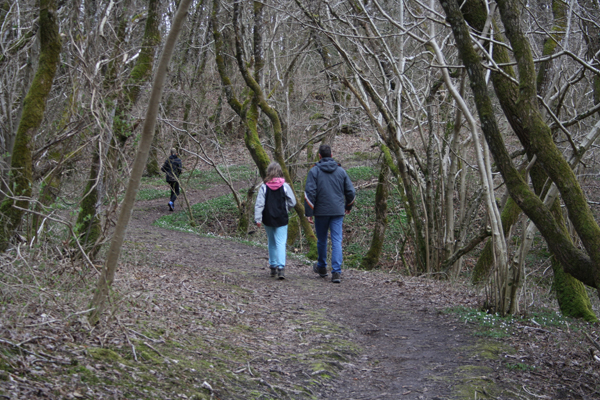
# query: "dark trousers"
174,190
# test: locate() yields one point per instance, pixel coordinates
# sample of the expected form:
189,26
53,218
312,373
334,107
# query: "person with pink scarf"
274,200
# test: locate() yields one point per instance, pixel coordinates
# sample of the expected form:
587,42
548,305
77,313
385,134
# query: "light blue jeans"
334,226
277,240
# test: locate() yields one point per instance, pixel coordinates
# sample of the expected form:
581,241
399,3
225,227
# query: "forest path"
401,345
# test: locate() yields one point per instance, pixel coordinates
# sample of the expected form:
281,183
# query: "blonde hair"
273,171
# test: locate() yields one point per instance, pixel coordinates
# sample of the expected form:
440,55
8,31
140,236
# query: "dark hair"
325,150
273,171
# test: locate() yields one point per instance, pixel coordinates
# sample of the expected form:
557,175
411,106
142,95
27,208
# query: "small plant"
491,325
362,173
152,193
363,156
520,367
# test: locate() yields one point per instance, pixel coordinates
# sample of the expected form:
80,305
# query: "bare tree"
107,276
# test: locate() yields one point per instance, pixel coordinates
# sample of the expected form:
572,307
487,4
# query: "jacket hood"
275,183
327,164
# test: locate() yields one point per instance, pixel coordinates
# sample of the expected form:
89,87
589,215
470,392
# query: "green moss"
473,382
148,355
34,106
104,354
572,295
293,229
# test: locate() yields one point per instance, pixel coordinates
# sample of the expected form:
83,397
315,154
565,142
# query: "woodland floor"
197,317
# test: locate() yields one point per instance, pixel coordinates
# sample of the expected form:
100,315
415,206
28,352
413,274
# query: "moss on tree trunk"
508,94
371,259
139,75
34,106
571,295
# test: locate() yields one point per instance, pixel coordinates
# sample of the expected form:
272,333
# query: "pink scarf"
276,183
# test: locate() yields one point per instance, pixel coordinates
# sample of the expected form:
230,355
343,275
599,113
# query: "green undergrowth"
213,212
152,193
362,173
495,326
237,173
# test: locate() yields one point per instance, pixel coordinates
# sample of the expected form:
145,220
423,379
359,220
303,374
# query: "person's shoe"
171,206
273,272
280,273
321,271
336,277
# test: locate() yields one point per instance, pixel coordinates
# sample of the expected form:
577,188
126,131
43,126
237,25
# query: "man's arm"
310,194
349,193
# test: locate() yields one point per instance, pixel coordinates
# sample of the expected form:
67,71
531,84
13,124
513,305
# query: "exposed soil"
408,349
403,345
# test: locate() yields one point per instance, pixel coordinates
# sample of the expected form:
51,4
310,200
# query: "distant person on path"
273,202
329,195
172,168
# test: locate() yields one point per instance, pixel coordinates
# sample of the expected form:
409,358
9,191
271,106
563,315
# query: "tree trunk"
87,228
108,272
371,259
140,74
33,112
510,215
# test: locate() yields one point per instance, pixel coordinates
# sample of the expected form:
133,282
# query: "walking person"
172,168
329,195
273,202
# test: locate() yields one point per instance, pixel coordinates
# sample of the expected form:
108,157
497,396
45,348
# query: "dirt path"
388,338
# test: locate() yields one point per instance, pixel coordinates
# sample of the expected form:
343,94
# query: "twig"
127,337
535,395
157,352
18,346
146,337
596,345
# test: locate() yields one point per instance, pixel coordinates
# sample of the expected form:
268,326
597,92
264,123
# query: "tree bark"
87,227
33,112
371,258
140,74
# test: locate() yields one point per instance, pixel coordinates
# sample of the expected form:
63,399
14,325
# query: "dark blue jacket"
329,191
172,168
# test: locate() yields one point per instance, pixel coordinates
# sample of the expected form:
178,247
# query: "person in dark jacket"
329,195
172,168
